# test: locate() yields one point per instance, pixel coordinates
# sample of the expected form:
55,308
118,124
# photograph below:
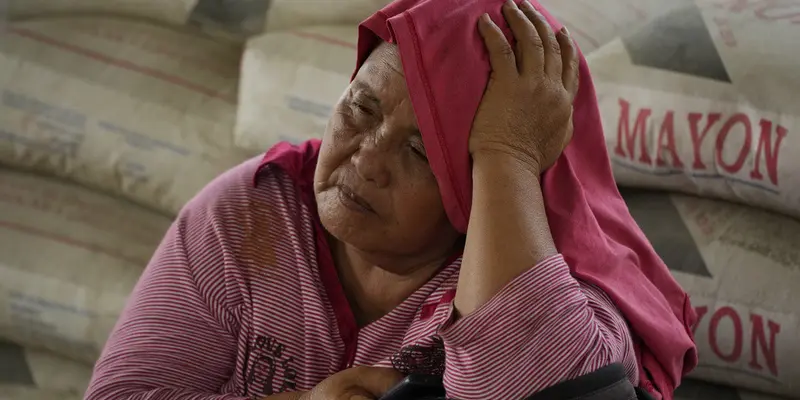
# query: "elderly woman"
442,226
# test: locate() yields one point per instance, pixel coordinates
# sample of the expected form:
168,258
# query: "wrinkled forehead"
381,77
383,59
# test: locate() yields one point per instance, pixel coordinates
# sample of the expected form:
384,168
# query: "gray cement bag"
741,267
704,100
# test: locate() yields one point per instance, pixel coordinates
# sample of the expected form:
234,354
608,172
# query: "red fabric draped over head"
447,68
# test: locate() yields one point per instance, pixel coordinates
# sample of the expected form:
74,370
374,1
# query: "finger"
529,54
570,60
501,55
377,381
550,46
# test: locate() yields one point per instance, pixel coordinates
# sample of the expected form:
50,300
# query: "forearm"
508,230
545,327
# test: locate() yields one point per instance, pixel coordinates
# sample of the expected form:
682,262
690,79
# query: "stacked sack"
741,266
113,114
232,18
131,108
108,125
69,257
702,100
131,111
738,263
142,112
292,78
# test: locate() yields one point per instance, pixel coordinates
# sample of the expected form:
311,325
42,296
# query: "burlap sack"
69,258
704,100
125,107
741,267
291,82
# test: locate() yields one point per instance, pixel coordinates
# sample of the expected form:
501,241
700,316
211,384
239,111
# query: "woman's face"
373,185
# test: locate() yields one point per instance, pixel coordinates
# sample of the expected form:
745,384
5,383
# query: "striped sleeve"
543,328
176,338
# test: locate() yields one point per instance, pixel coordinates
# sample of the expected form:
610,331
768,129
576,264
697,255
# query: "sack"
34,373
233,18
250,17
290,83
291,80
170,11
69,257
697,390
593,23
129,108
704,101
741,267
18,392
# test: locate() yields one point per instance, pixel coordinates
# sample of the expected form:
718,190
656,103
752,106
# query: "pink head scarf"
447,69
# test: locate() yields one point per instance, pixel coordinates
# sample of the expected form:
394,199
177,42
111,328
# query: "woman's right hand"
526,110
358,383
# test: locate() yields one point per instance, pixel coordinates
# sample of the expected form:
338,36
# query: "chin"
344,224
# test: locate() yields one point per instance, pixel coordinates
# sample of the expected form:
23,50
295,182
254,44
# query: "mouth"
352,201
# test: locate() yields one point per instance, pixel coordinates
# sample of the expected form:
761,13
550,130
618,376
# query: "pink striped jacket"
242,300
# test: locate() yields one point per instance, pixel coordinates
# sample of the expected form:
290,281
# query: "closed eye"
419,151
362,108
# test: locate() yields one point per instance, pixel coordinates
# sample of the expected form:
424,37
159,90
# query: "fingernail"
511,3
485,18
565,30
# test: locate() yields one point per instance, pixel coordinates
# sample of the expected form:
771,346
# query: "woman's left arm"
525,323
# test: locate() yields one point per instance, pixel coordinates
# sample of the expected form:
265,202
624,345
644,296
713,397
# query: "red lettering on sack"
766,10
639,130
742,119
770,152
697,137
763,345
705,223
725,31
634,123
736,351
775,11
667,132
759,341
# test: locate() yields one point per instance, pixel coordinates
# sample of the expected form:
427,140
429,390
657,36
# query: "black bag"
607,383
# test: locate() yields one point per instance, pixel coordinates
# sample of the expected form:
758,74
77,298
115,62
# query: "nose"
370,161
